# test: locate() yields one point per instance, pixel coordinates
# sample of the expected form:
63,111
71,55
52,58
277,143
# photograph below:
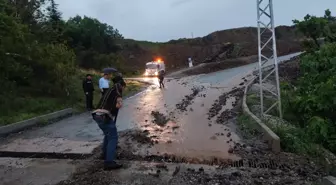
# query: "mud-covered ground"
289,71
215,66
256,164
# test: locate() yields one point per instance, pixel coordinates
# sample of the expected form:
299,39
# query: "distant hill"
176,52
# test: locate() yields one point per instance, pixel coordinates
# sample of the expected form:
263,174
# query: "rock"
236,174
176,171
230,150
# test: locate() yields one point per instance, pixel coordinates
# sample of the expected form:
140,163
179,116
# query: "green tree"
312,27
317,28
93,41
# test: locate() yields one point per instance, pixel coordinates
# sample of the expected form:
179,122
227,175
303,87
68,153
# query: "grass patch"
248,126
293,139
253,99
29,107
23,108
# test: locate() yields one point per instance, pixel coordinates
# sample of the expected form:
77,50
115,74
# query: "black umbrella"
109,70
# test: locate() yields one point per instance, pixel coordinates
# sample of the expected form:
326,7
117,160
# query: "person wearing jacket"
105,117
88,91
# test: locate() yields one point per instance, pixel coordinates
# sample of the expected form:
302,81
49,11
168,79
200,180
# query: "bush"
310,103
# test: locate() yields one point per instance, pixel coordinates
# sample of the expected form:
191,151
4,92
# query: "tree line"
41,53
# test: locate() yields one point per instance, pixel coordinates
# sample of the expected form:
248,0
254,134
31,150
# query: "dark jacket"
109,100
88,85
161,74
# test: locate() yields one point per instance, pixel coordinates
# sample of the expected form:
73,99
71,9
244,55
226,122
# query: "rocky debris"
138,136
176,171
188,99
213,137
175,127
162,166
221,101
159,118
243,177
225,116
220,65
289,71
258,166
230,150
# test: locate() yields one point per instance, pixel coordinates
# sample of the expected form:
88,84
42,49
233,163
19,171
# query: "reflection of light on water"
151,80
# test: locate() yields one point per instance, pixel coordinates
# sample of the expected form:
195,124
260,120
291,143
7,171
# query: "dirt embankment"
176,52
289,71
214,66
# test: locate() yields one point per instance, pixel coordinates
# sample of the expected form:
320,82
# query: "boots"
112,166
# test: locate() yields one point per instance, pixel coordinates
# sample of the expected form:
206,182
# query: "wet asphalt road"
193,138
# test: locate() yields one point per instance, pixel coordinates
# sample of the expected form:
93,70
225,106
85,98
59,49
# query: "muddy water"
188,133
196,136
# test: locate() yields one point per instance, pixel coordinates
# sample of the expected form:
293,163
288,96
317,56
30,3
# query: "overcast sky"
163,20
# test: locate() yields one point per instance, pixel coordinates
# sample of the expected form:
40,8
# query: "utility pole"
266,45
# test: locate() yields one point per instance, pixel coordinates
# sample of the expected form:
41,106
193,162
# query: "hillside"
176,52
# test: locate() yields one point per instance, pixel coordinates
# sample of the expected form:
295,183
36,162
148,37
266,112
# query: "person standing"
161,77
88,89
104,84
105,116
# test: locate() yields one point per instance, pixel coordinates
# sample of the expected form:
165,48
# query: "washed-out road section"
189,133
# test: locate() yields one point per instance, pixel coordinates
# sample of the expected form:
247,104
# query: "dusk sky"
163,20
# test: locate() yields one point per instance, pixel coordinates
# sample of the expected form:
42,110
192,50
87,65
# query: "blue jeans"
110,138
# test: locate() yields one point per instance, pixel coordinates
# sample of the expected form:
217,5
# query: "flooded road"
188,133
196,136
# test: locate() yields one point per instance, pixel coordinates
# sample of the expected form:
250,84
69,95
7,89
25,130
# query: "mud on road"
256,165
188,99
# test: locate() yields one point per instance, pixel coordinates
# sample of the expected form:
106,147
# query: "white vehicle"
153,68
